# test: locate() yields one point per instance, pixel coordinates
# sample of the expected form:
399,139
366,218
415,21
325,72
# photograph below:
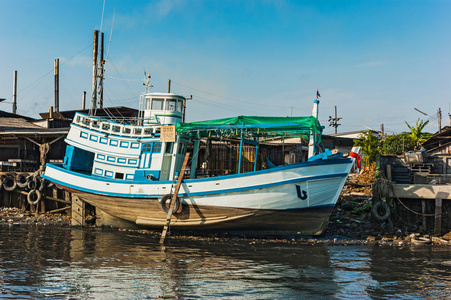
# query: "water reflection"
42,262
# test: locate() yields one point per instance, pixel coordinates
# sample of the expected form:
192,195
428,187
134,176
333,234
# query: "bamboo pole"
174,196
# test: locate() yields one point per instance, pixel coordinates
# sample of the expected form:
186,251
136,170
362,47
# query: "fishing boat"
127,168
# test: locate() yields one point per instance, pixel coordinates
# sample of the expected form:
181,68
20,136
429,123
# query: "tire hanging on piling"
22,180
34,196
381,211
9,183
165,203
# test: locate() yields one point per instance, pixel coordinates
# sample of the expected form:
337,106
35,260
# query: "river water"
67,263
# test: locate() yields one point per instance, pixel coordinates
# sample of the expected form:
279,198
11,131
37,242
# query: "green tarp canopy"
247,126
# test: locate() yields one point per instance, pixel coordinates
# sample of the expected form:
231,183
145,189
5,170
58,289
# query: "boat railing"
128,127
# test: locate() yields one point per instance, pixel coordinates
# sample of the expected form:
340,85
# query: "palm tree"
416,131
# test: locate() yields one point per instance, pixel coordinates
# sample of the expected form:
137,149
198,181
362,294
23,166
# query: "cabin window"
148,103
169,147
121,160
116,128
119,175
95,124
126,130
158,130
124,144
180,106
157,148
147,147
86,121
171,104
105,126
148,131
134,145
137,131
157,104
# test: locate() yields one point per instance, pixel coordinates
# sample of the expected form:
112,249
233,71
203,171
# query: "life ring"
32,194
9,184
420,241
165,203
381,210
22,180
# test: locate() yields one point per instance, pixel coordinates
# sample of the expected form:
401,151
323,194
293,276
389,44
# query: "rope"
412,211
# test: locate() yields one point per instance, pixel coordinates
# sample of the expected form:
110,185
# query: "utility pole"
439,113
15,93
57,98
334,121
382,132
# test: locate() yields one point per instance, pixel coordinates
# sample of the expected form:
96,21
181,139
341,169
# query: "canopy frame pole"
256,156
241,151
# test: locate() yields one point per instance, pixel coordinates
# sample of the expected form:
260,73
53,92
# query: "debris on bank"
16,216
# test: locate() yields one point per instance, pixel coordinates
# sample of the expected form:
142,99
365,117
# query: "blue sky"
375,60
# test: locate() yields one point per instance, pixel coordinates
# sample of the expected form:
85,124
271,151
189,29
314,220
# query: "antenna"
111,34
101,21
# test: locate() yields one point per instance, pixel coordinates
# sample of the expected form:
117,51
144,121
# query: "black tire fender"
34,196
165,203
381,210
9,184
22,180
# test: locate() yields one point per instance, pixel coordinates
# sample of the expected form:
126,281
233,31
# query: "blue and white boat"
126,168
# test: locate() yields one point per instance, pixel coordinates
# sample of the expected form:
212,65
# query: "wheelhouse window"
171,104
157,104
180,106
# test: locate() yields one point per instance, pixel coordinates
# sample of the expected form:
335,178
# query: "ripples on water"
65,263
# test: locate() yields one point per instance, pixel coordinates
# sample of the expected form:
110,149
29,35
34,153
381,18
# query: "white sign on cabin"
167,133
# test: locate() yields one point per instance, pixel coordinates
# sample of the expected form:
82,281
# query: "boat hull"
296,199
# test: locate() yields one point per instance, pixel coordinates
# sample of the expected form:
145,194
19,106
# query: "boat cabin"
142,148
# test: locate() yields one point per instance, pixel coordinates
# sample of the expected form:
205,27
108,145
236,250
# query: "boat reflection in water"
42,262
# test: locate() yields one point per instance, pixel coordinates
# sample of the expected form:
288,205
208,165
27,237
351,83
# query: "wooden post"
388,170
83,104
94,70
78,215
423,211
174,196
438,214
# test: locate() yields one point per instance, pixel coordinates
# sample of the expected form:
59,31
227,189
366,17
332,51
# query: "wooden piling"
438,214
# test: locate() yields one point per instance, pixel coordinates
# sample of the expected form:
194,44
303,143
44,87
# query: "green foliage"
398,144
416,131
371,146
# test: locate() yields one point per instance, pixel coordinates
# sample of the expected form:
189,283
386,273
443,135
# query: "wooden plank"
174,196
420,191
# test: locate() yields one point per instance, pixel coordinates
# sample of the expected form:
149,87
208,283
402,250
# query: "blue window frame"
98,171
124,144
101,156
129,176
147,147
103,141
114,142
94,138
121,161
111,159
134,145
83,135
157,148
108,174
132,161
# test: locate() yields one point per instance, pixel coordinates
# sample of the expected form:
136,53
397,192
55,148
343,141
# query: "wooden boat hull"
294,199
